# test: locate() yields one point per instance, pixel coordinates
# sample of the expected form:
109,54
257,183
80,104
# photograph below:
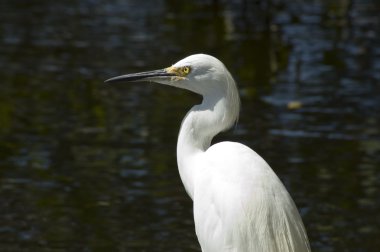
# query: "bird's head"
200,73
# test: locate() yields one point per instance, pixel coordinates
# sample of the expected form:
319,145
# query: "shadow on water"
89,167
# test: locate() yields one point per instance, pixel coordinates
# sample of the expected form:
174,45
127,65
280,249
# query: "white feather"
240,204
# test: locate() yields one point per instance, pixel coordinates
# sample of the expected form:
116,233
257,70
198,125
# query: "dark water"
86,166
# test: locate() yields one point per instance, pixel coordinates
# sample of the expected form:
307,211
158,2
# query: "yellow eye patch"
186,70
180,72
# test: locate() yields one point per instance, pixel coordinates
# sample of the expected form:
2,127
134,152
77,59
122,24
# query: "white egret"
240,204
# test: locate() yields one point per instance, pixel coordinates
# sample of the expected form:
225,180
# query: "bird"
239,203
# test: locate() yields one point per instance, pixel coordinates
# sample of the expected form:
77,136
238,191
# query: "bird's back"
241,205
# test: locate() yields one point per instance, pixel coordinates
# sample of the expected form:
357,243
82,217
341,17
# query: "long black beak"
141,76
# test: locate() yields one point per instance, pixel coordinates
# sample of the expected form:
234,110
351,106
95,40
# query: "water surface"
86,166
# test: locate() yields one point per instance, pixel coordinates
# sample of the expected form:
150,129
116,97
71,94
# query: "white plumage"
240,204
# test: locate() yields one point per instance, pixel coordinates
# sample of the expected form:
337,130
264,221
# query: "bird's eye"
186,70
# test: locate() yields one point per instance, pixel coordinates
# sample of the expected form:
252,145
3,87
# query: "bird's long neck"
215,114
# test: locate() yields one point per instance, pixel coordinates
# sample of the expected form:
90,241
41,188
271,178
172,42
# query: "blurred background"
86,166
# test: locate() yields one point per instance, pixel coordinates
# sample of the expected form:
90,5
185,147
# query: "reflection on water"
89,167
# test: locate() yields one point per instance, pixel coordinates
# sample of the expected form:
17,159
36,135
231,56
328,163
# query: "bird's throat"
198,128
